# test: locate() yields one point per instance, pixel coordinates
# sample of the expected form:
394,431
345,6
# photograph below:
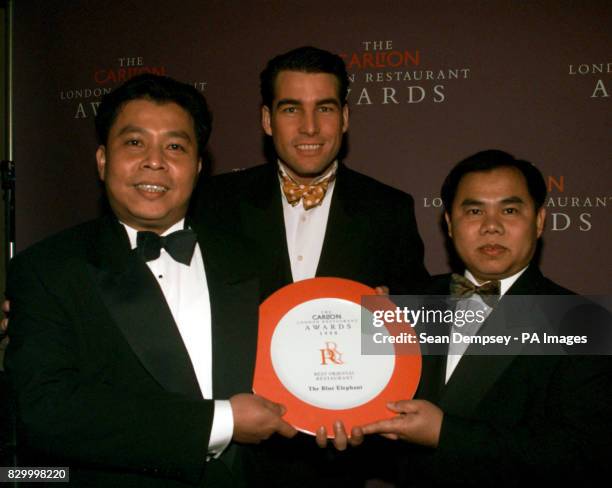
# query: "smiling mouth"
152,188
308,147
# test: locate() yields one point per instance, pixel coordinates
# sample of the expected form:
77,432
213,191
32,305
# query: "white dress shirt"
476,301
186,291
305,229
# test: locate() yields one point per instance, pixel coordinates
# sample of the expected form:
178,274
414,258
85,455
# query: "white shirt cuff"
222,429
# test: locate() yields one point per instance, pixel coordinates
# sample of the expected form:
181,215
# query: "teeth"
309,147
152,188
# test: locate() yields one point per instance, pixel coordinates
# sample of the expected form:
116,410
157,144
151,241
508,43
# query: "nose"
491,224
310,123
155,158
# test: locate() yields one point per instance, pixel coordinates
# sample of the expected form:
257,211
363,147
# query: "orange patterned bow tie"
311,195
461,287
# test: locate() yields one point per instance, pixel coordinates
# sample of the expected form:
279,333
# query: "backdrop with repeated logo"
432,82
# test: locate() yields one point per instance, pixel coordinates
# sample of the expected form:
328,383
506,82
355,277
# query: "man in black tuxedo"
118,346
504,419
309,213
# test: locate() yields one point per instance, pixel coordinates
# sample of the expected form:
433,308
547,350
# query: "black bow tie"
461,287
179,244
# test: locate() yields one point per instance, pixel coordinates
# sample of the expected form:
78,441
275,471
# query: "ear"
448,224
345,117
265,120
540,221
199,165
101,161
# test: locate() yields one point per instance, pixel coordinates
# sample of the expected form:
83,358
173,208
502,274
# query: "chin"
489,273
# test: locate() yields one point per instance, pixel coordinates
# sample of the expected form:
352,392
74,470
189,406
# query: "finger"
6,306
277,408
281,409
4,325
380,427
321,437
392,437
340,439
403,406
285,429
382,290
356,436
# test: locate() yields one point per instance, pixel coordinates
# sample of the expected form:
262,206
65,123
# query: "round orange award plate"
309,356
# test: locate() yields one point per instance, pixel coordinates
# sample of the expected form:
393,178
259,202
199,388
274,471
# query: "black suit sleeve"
568,437
74,409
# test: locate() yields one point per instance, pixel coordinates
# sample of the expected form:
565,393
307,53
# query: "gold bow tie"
461,287
311,195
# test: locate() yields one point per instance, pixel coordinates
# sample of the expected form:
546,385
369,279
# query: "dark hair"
160,89
490,160
306,59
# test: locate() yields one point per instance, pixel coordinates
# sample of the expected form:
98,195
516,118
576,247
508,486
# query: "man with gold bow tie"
309,215
500,420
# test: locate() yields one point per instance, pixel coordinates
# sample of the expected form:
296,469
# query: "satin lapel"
433,373
531,282
346,224
233,289
139,309
432,378
263,221
476,374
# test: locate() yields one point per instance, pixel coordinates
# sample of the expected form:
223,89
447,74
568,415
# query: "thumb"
277,408
402,406
286,430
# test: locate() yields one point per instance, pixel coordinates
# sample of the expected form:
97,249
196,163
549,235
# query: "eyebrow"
329,101
472,202
512,199
130,128
178,133
171,133
293,101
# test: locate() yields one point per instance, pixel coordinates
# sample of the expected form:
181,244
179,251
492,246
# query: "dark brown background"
519,96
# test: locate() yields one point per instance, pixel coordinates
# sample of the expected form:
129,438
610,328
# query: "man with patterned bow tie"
501,420
125,330
309,215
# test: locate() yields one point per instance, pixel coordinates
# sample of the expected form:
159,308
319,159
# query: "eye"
176,147
326,108
474,211
289,110
132,142
510,210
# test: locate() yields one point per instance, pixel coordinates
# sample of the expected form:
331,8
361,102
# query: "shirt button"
300,257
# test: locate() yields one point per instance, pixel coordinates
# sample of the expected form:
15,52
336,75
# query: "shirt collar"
504,284
132,233
331,171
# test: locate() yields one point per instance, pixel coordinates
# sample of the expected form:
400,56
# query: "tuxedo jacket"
103,381
509,420
371,234
371,237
